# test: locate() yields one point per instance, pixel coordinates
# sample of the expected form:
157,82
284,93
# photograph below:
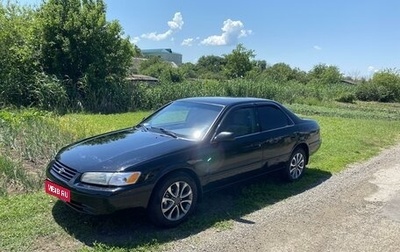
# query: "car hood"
118,150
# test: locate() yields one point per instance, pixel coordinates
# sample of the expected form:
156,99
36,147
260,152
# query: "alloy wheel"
296,165
177,201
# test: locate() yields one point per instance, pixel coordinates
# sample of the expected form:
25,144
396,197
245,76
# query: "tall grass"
146,97
15,178
28,139
358,110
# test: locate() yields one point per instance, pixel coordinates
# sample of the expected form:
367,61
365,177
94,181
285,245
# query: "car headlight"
108,178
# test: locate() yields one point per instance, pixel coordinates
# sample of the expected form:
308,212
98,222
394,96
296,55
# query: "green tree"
16,55
189,70
211,63
211,67
22,82
280,72
260,65
88,53
156,67
325,74
388,81
300,75
238,62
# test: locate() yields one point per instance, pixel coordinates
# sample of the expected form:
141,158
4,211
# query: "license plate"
58,191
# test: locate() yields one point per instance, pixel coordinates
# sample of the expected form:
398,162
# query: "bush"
383,87
389,81
369,91
49,93
325,74
347,98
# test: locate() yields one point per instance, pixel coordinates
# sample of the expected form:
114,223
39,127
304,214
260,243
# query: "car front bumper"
99,200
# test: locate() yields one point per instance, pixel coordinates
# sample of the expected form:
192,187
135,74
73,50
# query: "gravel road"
356,210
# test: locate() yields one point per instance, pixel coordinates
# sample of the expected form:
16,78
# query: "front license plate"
58,191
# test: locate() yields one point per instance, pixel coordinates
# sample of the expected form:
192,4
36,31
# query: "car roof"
224,101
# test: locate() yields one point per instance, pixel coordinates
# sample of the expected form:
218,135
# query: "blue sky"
360,37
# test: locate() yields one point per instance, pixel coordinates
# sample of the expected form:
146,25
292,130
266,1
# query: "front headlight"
108,178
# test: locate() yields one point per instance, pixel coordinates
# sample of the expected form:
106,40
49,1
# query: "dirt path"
356,210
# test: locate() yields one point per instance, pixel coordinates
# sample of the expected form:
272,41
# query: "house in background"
139,78
165,54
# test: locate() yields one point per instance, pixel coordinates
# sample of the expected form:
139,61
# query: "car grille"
63,171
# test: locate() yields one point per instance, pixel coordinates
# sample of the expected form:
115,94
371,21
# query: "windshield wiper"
143,126
166,132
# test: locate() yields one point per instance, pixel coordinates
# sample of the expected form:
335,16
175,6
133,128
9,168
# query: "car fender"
181,167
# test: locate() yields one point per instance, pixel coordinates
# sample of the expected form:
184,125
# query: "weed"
28,139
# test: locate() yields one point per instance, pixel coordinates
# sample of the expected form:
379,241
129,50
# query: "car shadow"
131,229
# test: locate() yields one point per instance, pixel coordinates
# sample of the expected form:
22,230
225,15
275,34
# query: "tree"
88,53
22,82
238,62
280,72
211,63
188,70
260,65
388,80
300,75
325,74
211,67
156,67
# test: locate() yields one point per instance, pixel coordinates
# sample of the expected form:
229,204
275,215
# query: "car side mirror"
224,136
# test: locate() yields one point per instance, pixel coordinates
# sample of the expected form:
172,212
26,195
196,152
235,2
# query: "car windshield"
184,119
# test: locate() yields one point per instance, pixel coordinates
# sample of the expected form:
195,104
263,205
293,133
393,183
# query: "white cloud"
175,24
231,32
372,69
187,42
135,40
318,48
245,33
157,36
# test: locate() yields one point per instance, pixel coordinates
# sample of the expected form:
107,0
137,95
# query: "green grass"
346,141
33,221
84,125
360,110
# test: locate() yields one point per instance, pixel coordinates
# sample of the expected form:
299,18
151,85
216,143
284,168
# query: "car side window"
240,121
272,117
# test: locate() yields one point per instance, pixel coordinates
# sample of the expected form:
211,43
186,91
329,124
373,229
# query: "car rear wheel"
173,200
296,165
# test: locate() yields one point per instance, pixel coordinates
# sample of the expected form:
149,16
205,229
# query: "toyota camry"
187,147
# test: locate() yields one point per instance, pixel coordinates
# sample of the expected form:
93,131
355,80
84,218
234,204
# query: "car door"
277,133
243,152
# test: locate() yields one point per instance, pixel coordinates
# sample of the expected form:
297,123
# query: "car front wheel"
296,165
173,200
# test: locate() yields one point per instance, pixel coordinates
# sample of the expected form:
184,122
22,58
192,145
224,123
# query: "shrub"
389,81
347,98
49,93
325,74
369,91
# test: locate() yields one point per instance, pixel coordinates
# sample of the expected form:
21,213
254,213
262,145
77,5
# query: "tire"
296,165
173,200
